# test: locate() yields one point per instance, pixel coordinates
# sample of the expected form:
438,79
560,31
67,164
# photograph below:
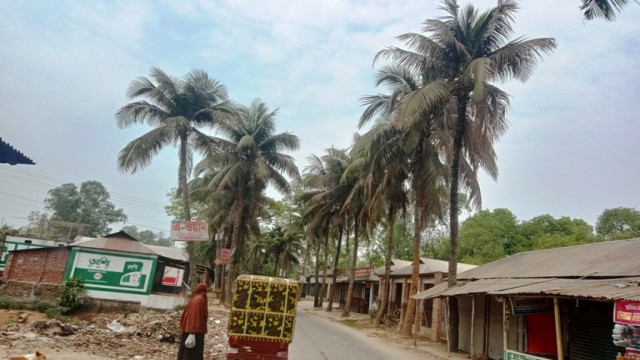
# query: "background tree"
88,204
176,108
147,236
618,223
488,235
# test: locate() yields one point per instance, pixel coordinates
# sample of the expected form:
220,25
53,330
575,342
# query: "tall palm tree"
464,52
285,247
175,108
327,195
248,157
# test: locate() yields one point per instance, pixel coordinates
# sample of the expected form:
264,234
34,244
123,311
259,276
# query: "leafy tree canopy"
88,204
147,236
618,223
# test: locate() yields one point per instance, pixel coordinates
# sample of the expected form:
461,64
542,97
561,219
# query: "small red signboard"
224,258
627,312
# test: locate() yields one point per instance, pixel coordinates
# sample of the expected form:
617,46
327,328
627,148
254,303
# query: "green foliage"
43,306
618,223
147,236
72,295
491,235
488,236
6,302
89,204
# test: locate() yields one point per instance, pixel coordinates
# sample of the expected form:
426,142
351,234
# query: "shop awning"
602,289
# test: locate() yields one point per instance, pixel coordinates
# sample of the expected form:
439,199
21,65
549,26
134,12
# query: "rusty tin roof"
598,260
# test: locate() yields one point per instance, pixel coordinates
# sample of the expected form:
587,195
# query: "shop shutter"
590,325
464,330
516,330
464,335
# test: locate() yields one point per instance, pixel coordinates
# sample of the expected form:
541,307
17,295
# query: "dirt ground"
137,336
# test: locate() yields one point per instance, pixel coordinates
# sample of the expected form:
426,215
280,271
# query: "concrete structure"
116,268
430,312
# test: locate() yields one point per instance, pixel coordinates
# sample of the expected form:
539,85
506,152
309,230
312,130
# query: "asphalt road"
318,338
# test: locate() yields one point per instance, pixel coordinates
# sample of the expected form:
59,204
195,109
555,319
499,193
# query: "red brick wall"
42,266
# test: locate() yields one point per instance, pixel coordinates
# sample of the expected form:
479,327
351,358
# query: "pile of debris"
140,336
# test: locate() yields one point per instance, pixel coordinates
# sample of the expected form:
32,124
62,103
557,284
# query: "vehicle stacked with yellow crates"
263,308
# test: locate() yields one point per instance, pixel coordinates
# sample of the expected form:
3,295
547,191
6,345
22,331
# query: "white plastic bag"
190,342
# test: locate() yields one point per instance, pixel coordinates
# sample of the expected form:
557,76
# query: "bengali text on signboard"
189,231
626,312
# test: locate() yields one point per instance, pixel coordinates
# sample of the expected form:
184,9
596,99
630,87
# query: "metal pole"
556,311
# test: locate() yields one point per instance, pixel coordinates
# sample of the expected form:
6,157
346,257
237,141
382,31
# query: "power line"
31,178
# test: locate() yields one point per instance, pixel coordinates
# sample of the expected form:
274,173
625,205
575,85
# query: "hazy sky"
571,149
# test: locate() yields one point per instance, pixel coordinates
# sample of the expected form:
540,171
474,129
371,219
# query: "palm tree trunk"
386,280
332,291
184,188
352,272
223,273
452,279
236,241
316,297
275,268
324,267
409,315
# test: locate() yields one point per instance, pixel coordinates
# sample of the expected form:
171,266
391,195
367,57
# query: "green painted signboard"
514,355
112,271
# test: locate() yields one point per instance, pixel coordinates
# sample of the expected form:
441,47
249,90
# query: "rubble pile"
140,336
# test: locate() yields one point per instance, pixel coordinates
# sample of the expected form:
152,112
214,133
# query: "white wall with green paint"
113,275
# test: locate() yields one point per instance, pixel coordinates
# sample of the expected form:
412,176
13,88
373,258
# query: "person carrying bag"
193,325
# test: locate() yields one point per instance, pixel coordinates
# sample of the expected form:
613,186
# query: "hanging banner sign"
189,231
626,312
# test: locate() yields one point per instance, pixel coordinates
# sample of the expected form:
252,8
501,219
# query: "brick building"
118,271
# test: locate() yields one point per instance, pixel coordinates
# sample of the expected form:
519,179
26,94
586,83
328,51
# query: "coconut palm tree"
248,157
606,9
327,195
464,52
175,108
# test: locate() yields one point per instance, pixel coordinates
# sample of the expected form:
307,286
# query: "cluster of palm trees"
236,166
432,132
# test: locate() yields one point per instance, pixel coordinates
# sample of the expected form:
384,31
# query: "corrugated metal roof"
168,252
121,241
605,259
603,289
430,266
395,264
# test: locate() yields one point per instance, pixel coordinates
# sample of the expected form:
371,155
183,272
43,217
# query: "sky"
571,148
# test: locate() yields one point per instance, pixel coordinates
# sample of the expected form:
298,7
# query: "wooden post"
473,315
556,311
446,324
505,330
415,323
